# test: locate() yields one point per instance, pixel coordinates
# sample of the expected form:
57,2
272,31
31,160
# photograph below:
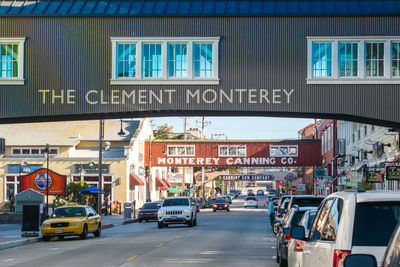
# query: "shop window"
396,59
164,60
374,59
11,61
348,59
321,59
16,151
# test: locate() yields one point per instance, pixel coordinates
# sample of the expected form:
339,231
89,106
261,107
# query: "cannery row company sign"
235,153
125,65
239,177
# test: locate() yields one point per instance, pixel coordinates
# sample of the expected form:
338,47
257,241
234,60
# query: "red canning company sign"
283,153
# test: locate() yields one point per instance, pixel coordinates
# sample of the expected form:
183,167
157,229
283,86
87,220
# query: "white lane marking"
8,260
54,248
274,257
210,252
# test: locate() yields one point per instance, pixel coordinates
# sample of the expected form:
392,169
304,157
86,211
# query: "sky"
240,128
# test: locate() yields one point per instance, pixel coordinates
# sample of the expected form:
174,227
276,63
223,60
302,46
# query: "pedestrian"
271,212
107,204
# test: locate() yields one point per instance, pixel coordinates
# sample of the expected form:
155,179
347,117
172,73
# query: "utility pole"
203,125
101,133
183,186
148,199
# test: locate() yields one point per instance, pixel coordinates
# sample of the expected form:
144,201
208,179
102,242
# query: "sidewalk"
10,234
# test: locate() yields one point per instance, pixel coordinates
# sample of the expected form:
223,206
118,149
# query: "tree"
73,195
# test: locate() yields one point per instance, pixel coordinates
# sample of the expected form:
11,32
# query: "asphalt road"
241,237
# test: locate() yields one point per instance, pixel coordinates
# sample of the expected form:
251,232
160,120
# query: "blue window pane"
112,7
88,7
321,59
202,60
172,7
100,7
40,7
208,7
177,57
148,7
196,7
126,60
63,9
124,7
151,60
136,7
52,7
160,7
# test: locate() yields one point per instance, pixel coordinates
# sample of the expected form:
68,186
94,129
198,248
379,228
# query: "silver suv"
177,210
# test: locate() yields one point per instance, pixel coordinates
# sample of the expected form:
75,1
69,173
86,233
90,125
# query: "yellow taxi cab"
72,219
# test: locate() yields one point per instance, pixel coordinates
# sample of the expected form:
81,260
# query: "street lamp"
121,132
21,168
148,199
47,152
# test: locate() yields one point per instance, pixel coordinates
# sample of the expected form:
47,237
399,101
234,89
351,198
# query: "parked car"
72,219
391,258
294,247
349,222
177,210
149,211
251,201
228,199
208,203
260,192
305,201
220,204
250,191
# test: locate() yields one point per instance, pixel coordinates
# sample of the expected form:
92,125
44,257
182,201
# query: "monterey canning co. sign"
287,153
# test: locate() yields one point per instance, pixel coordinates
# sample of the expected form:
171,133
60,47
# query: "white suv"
177,210
349,222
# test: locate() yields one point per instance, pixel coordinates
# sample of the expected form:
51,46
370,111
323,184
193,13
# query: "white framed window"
283,151
12,61
181,151
164,60
232,151
353,60
32,151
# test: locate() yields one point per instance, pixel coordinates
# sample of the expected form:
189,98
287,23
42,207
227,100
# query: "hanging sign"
393,173
319,172
53,183
372,176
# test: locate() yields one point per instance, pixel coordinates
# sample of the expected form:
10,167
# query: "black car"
220,204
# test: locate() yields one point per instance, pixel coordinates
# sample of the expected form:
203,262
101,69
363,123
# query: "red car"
149,211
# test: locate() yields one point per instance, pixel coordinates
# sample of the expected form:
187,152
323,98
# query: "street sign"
372,176
301,188
319,172
237,177
393,173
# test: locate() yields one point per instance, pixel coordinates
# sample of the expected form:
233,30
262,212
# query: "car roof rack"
71,204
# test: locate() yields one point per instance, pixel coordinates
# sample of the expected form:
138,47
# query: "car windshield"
69,212
375,222
307,202
151,206
251,198
220,201
176,202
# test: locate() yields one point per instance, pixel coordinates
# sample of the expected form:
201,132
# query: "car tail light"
246,200
287,237
299,245
339,256
255,199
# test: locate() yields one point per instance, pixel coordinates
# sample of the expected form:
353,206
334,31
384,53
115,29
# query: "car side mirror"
355,260
297,232
286,230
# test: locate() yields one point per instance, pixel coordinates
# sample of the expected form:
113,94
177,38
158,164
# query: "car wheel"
227,210
140,220
214,210
278,259
160,225
195,221
46,238
98,231
84,232
190,223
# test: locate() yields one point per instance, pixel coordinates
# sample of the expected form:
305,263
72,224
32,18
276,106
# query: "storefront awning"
167,183
161,184
135,180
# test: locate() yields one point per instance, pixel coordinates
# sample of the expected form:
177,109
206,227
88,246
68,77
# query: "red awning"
161,184
135,180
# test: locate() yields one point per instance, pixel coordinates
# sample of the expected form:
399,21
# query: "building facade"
74,152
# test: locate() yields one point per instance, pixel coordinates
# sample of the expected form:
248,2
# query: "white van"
350,222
